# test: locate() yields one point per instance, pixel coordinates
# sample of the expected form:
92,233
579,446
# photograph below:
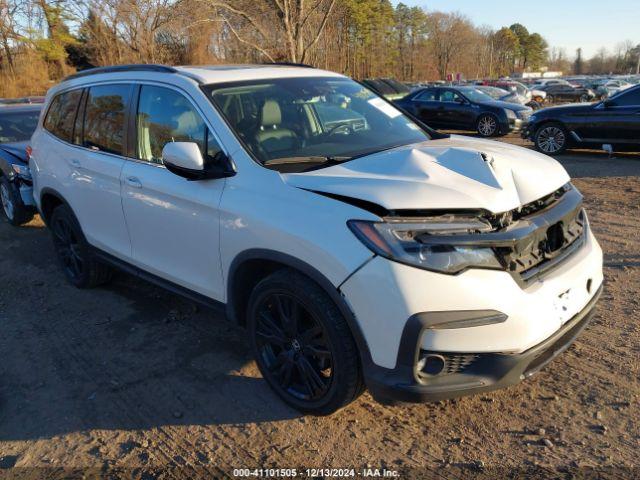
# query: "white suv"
358,246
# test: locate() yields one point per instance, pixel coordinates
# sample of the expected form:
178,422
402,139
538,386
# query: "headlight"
21,170
510,113
401,241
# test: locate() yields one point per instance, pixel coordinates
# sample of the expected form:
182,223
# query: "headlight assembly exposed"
510,113
400,241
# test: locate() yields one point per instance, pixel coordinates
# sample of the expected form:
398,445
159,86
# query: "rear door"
96,163
426,104
173,223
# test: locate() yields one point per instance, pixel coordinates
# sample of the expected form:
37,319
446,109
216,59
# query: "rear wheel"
80,266
551,139
302,344
16,212
487,125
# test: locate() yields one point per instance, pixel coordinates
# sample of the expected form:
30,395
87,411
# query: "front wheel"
551,139
302,344
487,125
16,212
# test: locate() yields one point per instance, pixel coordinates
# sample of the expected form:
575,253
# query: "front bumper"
488,372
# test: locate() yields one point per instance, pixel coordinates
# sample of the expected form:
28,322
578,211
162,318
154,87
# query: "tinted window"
164,116
62,113
628,99
449,96
427,96
104,118
17,126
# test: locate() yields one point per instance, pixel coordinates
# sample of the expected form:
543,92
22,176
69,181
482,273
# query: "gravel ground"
131,381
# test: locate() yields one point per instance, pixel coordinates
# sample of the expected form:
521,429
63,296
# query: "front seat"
272,137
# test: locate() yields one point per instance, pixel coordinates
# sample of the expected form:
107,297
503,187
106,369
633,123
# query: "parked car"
615,122
568,93
17,123
547,82
465,108
21,100
420,265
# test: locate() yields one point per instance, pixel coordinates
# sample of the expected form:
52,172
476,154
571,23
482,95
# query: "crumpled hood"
451,173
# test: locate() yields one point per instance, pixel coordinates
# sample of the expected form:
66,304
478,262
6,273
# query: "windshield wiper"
309,159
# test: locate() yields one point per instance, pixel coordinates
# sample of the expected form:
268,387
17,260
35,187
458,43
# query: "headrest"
271,114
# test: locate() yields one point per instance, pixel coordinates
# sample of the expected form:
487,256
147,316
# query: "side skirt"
161,282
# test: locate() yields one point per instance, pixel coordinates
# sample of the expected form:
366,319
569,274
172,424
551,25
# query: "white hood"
452,173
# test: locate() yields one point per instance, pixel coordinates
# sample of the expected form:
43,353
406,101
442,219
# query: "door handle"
134,182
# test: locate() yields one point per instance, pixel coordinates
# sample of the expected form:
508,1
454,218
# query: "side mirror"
185,160
608,103
460,100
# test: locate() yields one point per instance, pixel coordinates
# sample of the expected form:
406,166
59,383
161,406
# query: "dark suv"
614,122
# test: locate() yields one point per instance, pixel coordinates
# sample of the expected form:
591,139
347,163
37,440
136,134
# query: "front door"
173,223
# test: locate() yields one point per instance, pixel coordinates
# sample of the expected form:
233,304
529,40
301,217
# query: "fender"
50,191
308,270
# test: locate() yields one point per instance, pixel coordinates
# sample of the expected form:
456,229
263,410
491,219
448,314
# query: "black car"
465,108
568,93
614,122
17,123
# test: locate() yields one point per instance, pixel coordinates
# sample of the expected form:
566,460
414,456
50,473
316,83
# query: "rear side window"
105,117
62,113
164,116
427,96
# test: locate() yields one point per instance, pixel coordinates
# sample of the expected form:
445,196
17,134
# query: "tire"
487,125
311,363
551,139
80,266
14,210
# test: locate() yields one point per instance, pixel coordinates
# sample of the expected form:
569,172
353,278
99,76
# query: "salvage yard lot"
131,377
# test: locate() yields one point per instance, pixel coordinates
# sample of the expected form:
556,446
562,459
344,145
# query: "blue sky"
590,24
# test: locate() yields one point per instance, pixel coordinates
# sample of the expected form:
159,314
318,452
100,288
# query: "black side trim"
316,276
161,282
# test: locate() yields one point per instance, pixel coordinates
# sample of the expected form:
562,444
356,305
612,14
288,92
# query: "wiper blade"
309,159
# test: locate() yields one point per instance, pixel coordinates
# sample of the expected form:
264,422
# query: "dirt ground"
129,381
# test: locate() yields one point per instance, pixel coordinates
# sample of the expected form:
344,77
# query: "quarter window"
62,113
104,118
164,116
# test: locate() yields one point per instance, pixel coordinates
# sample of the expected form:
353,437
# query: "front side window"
450,96
299,122
62,113
164,116
104,118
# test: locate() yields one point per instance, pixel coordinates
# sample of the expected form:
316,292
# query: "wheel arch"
249,267
49,200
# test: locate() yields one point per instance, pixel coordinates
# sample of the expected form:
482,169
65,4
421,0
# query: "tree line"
43,40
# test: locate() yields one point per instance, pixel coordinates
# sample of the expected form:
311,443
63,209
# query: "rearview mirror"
185,160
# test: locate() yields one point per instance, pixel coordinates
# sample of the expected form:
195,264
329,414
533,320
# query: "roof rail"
289,64
123,68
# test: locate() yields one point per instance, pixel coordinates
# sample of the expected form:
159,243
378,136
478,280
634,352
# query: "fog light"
431,364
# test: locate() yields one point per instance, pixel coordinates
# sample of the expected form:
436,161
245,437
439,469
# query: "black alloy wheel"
68,248
294,347
302,344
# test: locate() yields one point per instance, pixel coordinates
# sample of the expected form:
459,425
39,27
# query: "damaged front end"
526,242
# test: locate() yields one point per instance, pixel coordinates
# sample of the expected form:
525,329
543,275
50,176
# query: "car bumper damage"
506,325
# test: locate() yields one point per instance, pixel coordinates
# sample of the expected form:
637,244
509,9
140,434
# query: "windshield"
17,126
323,120
475,95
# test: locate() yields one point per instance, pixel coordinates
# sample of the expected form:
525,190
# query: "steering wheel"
342,129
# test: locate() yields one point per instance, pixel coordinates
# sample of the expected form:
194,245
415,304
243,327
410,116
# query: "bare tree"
260,23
